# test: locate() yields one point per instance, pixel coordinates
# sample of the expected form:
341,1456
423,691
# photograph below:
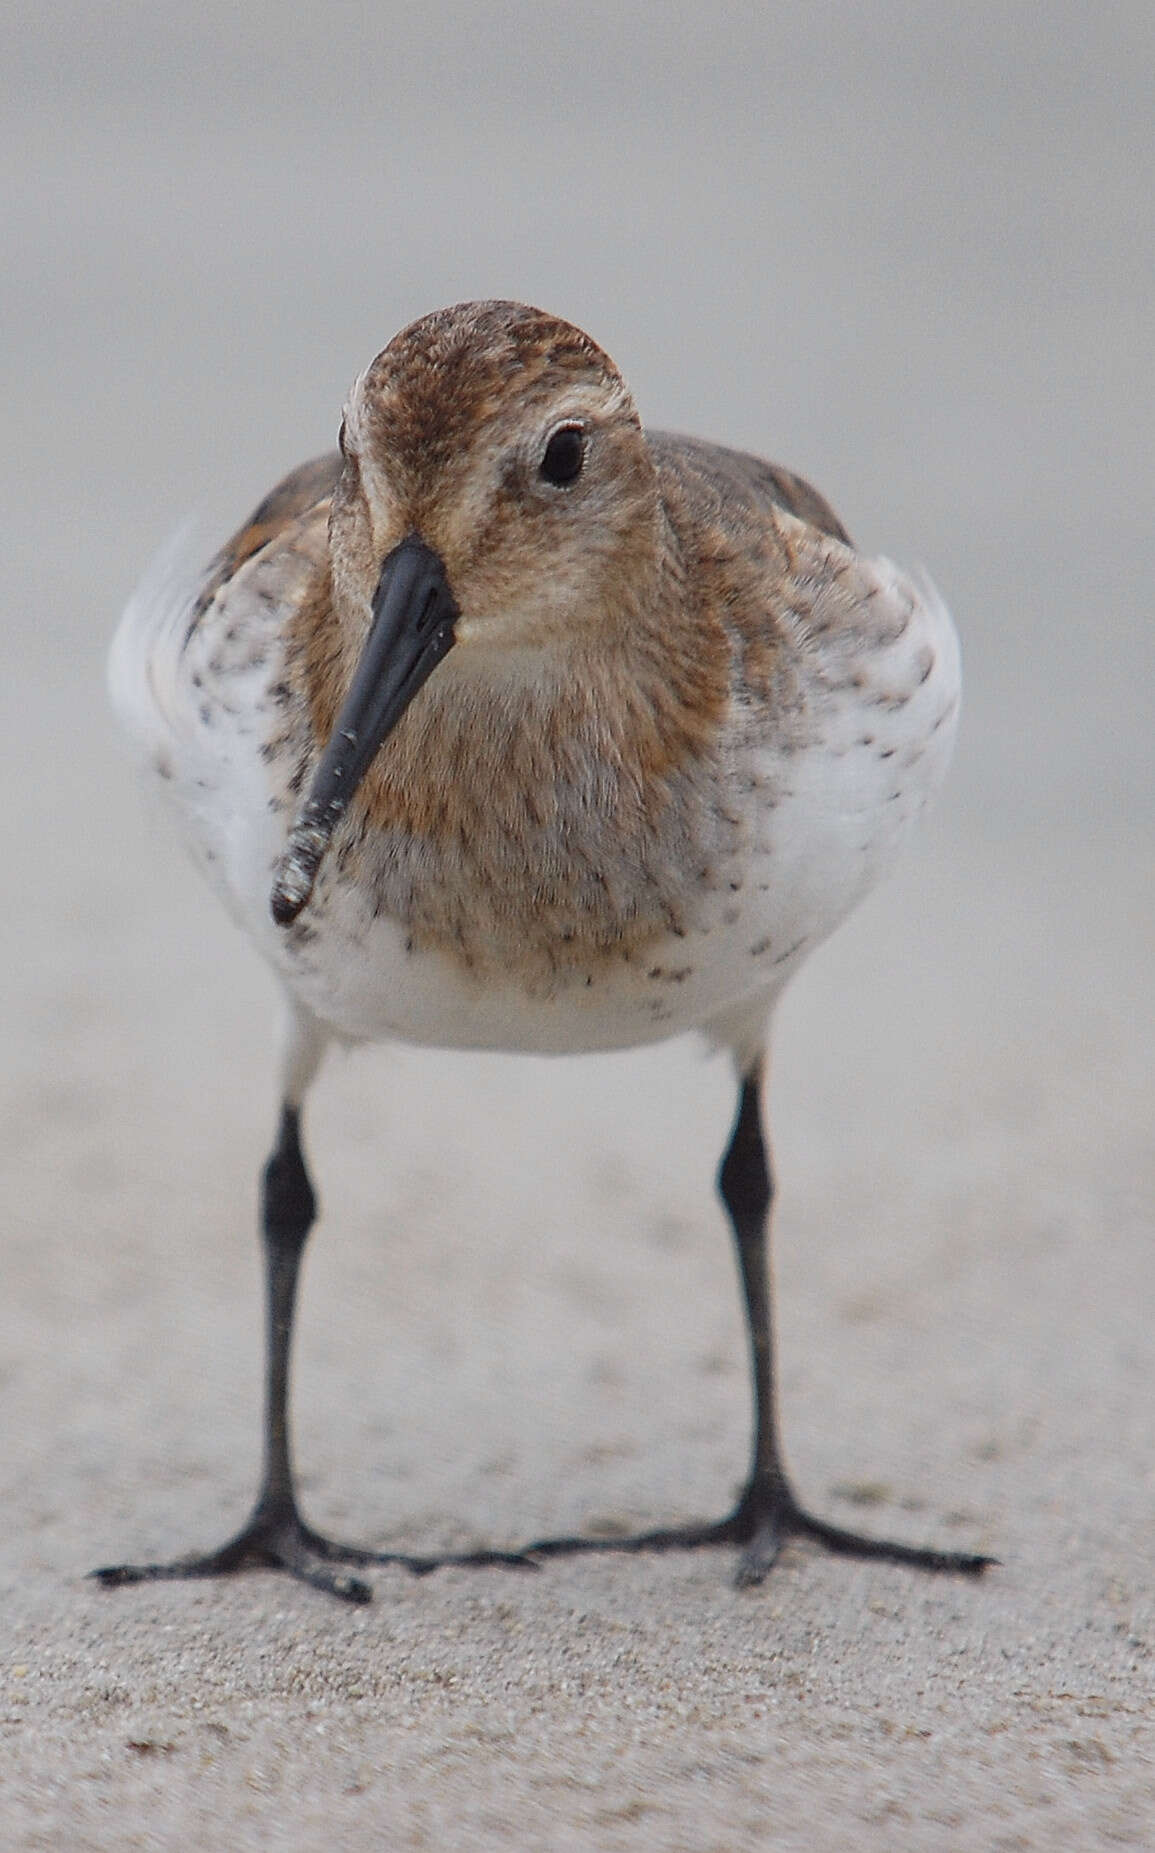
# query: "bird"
515,725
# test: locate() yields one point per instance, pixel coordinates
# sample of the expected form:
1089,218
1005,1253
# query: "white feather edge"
153,630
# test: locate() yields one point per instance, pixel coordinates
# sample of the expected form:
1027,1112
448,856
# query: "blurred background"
906,250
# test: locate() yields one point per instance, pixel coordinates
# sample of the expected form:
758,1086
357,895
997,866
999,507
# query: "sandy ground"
908,251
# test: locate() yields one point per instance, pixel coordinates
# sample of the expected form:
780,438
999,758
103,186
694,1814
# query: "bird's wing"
713,477
303,488
776,562
165,610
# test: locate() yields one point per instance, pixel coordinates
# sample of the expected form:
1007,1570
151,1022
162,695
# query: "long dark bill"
412,630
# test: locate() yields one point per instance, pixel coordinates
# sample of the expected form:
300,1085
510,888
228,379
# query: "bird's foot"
766,1516
281,1540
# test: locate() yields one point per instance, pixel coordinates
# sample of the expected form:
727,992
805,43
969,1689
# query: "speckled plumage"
683,728
632,816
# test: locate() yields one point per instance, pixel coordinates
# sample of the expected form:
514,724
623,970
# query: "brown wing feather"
302,489
711,476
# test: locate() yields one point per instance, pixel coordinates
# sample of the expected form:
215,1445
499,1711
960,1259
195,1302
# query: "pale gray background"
908,251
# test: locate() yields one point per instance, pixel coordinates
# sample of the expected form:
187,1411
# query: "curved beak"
412,630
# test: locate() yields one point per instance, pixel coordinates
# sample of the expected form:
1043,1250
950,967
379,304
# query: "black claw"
760,1528
762,1524
116,1575
292,1546
345,1588
264,1544
758,1559
918,1557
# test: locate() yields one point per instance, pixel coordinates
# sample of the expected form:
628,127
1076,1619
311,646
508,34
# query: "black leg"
767,1512
747,1189
275,1536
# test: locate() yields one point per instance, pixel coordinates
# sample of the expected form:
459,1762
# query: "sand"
905,255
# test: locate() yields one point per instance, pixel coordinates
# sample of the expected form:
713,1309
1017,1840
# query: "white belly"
815,824
806,862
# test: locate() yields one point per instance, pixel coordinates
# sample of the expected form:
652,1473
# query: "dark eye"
564,455
341,440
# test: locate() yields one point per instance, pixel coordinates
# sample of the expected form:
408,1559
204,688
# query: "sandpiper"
514,726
